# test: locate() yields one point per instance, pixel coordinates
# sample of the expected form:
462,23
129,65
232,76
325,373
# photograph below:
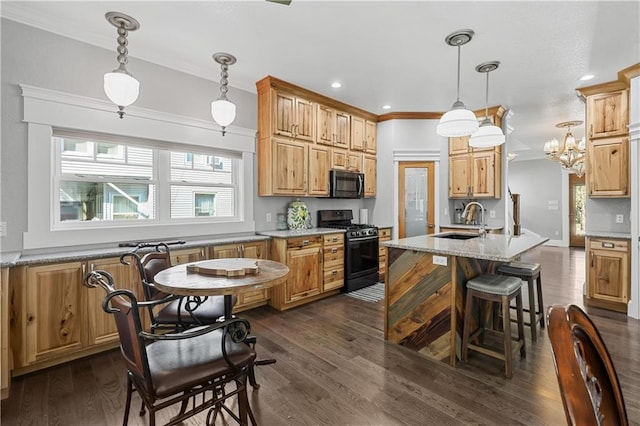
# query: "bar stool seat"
501,289
529,272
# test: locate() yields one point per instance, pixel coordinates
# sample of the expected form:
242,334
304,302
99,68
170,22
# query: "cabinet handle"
334,239
242,250
238,251
592,259
202,252
334,250
92,267
305,243
334,272
84,270
591,130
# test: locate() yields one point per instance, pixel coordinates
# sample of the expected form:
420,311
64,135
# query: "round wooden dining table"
197,278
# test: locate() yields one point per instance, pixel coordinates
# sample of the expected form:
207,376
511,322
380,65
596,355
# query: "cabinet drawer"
614,245
303,242
253,296
334,239
333,278
333,255
384,234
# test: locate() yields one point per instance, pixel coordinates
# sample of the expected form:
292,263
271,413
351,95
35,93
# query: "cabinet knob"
334,250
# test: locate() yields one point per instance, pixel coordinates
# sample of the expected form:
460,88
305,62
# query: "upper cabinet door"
608,167
370,137
294,117
459,145
357,133
608,114
343,130
326,118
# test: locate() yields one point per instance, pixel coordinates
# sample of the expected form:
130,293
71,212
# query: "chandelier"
571,155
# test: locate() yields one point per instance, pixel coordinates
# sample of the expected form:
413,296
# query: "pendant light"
488,134
223,111
458,121
119,85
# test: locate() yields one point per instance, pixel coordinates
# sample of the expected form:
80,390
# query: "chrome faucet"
483,229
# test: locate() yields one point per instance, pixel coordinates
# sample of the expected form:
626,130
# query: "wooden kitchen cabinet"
307,277
608,114
333,260
5,358
319,166
477,174
608,273
334,127
180,256
370,167
293,117
608,167
384,234
363,135
58,319
293,162
253,250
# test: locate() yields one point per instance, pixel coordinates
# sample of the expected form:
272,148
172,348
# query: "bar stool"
501,289
528,272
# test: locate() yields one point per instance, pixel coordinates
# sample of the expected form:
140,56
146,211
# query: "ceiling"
383,52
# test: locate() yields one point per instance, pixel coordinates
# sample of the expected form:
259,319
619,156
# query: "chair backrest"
124,306
589,385
148,266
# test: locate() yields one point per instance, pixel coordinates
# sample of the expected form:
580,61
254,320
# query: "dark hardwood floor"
334,368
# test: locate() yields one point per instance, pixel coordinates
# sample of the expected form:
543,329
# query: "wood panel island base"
426,287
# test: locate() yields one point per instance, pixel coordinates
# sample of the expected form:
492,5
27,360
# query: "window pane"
110,160
200,168
188,201
100,201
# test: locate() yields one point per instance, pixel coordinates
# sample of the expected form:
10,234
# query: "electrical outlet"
619,218
440,260
446,211
268,217
3,229
492,214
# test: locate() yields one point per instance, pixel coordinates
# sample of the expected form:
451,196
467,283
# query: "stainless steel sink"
455,235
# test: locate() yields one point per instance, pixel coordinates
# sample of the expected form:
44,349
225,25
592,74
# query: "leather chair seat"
176,365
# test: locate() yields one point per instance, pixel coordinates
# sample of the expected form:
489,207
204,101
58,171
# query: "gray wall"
538,183
601,214
46,60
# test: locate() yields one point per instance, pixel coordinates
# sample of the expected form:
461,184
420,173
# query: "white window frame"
45,110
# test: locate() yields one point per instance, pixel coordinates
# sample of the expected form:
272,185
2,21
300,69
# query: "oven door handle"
369,238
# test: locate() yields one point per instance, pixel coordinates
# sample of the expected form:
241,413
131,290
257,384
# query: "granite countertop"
301,232
73,255
461,226
608,234
497,247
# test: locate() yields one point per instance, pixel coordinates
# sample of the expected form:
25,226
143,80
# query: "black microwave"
344,184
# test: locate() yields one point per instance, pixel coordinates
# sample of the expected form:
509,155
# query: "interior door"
416,208
577,217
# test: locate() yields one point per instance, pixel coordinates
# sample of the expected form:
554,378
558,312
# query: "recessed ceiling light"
336,84
386,106
586,77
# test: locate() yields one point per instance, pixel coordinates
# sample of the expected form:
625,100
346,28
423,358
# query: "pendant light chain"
224,76
122,45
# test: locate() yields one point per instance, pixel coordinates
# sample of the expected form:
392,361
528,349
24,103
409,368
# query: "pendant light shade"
223,110
119,85
459,121
121,88
488,135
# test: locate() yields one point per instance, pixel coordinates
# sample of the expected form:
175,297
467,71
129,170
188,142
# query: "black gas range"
361,248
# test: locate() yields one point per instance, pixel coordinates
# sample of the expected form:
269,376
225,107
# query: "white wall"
539,184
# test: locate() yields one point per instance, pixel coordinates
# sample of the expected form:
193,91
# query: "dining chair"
180,313
200,368
588,382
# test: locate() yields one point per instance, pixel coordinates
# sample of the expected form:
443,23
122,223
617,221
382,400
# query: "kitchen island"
426,285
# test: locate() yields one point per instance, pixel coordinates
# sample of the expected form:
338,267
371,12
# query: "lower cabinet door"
305,276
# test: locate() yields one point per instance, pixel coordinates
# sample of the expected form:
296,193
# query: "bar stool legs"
494,289
529,272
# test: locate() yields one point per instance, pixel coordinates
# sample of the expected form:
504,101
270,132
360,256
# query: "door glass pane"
415,198
579,195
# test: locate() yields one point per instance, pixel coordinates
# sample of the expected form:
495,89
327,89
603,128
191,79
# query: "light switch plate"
619,218
268,217
440,260
492,214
